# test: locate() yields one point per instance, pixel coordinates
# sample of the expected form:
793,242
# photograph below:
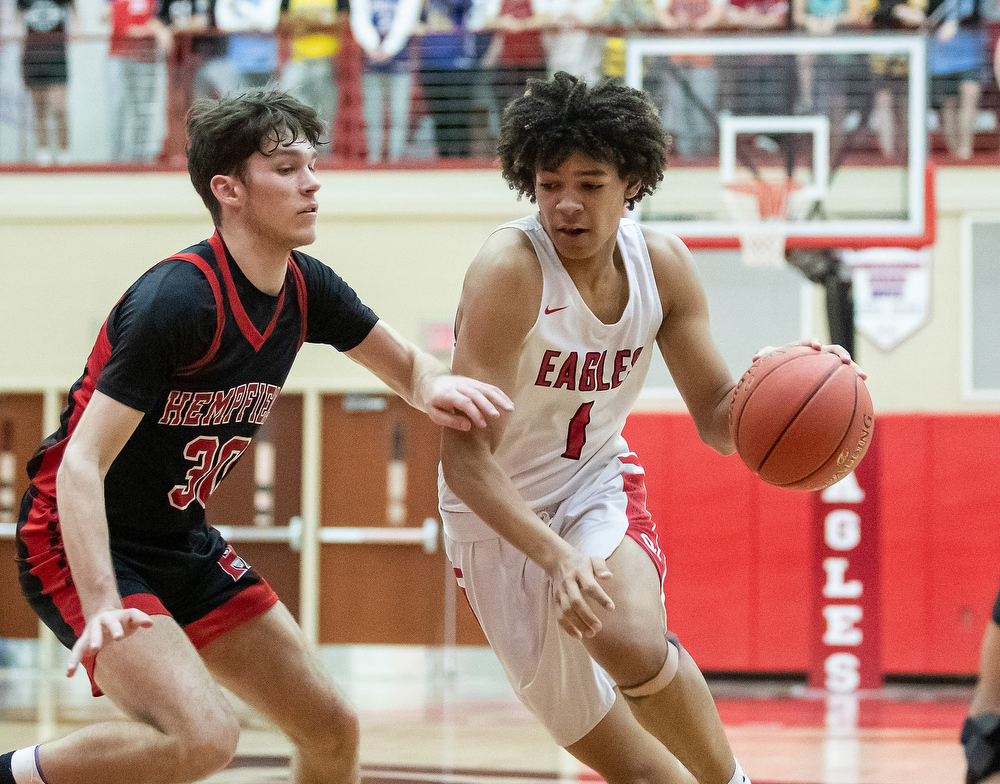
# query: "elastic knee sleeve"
981,740
666,674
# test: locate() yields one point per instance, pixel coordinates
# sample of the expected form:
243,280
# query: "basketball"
801,418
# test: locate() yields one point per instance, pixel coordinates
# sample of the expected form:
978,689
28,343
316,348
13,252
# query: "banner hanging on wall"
846,629
892,291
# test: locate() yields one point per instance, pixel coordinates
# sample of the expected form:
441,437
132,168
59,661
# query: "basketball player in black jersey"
114,552
981,730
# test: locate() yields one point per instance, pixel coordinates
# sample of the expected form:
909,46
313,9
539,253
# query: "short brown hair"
223,134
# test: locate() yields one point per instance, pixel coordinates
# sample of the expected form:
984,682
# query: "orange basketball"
801,418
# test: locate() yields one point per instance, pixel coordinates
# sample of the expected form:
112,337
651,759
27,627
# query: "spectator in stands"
990,10
690,86
196,43
47,26
137,47
955,60
622,17
827,81
451,54
521,53
757,14
692,15
187,15
890,74
759,84
316,28
252,49
383,29
570,45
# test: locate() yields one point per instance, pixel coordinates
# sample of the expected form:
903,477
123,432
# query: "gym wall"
70,244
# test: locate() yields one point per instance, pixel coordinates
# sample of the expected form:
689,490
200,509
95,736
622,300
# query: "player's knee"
662,677
208,747
981,741
331,728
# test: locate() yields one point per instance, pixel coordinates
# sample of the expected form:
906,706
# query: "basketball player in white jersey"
544,513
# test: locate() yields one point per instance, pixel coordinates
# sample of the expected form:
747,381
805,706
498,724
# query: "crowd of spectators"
412,80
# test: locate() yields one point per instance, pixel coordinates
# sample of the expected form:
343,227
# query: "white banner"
892,290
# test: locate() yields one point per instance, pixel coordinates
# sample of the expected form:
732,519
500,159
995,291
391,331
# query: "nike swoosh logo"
550,311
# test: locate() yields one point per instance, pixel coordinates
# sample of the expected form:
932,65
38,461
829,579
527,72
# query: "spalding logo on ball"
801,418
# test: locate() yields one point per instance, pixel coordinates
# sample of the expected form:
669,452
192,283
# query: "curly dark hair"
609,122
223,134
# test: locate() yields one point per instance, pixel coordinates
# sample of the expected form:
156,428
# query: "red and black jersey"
203,354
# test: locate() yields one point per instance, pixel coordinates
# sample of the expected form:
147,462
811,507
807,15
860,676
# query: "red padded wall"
738,550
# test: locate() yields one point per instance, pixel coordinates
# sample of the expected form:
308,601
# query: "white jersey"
577,380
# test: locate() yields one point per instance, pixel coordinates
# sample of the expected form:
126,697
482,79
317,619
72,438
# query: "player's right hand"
576,589
104,627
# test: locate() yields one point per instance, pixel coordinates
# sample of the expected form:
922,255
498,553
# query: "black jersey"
203,354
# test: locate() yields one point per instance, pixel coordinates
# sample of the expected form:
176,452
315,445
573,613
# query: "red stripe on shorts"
245,606
641,528
144,602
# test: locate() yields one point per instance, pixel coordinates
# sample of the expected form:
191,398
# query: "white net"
760,210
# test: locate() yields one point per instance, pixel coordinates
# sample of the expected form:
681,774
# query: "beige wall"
924,372
70,244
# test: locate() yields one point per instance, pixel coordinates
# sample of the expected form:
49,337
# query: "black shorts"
194,577
996,610
44,65
949,85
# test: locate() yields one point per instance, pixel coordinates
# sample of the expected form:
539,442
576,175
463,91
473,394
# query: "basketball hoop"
760,209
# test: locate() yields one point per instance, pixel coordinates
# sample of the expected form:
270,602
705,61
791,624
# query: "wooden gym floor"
450,718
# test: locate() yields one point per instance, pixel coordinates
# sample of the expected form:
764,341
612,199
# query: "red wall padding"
739,551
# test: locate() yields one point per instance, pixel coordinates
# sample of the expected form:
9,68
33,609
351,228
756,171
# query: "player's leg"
59,101
678,708
981,731
969,92
620,750
40,106
373,104
552,673
182,727
268,663
948,115
399,88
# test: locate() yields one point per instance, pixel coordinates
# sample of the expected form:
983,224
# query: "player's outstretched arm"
685,340
500,301
427,384
102,431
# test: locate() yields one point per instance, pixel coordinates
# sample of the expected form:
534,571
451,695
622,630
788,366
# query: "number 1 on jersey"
577,435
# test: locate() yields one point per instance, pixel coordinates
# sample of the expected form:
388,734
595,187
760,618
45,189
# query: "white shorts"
551,672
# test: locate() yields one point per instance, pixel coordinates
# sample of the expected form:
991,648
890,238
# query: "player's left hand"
833,348
104,628
459,402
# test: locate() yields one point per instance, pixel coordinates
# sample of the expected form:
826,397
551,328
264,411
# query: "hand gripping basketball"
801,417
